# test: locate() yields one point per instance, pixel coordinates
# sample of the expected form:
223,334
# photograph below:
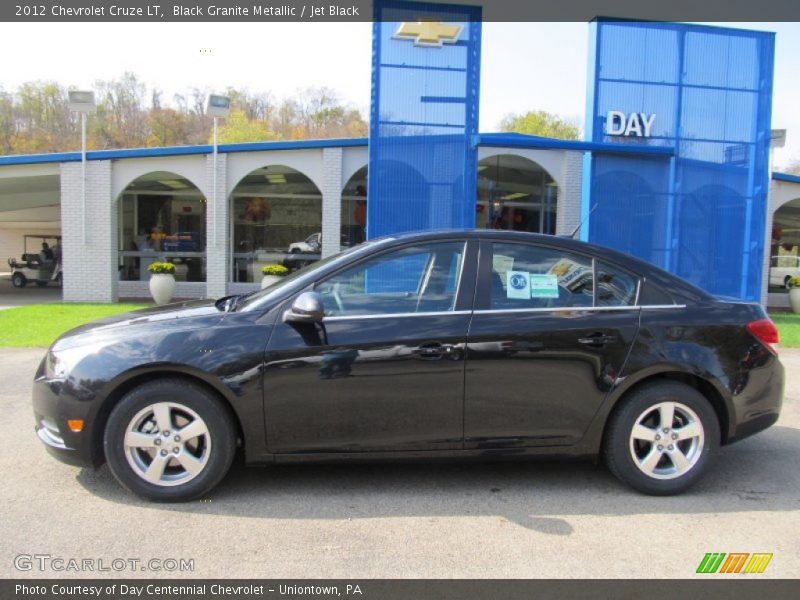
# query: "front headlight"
54,367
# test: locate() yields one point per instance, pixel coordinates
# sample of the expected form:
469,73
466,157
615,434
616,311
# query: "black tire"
179,393
786,281
18,280
295,251
620,445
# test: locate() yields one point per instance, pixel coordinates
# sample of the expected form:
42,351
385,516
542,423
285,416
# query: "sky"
525,66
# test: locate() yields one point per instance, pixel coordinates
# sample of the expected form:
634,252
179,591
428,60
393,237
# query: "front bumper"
53,405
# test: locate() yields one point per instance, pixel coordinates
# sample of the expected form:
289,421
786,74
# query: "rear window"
653,295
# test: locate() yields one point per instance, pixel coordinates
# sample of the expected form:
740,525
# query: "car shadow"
757,474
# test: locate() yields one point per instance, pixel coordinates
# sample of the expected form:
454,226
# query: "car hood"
194,313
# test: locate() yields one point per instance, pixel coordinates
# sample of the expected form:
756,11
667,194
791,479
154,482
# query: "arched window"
354,209
785,246
276,219
515,193
162,216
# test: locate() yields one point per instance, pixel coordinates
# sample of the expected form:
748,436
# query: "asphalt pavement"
11,296
443,520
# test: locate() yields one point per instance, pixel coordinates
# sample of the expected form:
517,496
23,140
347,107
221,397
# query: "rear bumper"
758,405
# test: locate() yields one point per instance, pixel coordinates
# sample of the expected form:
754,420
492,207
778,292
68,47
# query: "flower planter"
162,287
269,280
794,299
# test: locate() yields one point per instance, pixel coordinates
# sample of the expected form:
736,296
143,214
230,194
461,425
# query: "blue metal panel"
424,115
701,215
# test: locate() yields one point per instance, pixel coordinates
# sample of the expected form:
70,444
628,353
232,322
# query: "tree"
541,123
238,128
6,122
121,119
42,120
36,117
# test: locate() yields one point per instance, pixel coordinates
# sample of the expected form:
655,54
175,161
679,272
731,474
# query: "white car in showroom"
782,269
312,243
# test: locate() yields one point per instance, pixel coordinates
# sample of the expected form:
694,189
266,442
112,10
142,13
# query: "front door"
385,368
550,334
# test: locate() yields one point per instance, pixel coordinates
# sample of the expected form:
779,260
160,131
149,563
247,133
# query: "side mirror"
306,308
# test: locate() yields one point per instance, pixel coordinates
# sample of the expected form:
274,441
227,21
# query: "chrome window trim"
396,315
661,306
508,310
579,309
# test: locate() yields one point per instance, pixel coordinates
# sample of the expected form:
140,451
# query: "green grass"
38,325
788,327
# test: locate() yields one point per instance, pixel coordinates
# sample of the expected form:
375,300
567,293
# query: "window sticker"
518,285
502,264
544,286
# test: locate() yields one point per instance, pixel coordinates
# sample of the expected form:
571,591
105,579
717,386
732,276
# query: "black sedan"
428,345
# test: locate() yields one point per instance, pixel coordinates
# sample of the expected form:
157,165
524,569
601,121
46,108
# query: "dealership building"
674,168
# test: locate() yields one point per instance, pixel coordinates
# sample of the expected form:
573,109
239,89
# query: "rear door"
550,334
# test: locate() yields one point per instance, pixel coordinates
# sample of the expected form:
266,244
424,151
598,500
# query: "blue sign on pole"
423,118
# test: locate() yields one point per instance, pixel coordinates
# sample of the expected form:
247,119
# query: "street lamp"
217,106
82,102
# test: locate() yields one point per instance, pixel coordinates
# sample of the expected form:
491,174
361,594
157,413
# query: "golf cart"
39,266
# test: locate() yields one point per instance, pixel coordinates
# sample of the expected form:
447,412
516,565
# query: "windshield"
257,299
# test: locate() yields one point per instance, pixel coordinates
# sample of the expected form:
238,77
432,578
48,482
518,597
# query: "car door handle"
597,339
433,351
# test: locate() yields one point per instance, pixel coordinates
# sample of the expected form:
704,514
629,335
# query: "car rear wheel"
786,282
662,438
18,280
170,440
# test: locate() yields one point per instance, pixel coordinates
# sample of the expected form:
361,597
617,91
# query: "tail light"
765,332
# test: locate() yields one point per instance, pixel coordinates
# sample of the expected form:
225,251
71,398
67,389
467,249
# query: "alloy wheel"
666,440
167,444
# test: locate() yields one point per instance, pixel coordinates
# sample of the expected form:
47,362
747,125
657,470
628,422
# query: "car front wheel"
170,440
662,438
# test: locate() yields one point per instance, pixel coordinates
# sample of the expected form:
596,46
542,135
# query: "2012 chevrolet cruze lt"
444,344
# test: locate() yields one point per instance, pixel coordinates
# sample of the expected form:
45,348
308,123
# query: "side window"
417,279
538,277
614,286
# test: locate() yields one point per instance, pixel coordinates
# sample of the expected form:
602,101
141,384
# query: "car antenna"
578,228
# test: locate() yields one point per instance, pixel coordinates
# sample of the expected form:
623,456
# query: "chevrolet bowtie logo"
428,33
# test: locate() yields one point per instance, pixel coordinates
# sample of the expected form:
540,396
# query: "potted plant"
162,281
272,273
794,293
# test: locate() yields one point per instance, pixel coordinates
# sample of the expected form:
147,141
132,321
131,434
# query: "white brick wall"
331,200
90,259
570,193
217,228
